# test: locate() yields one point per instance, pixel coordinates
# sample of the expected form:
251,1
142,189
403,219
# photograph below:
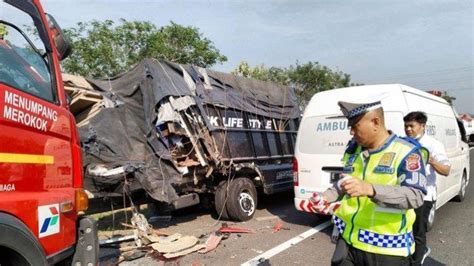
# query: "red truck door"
36,183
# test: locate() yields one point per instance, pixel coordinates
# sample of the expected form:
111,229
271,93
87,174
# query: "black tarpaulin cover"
126,136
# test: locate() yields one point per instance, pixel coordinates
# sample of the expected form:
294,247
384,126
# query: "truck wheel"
220,200
18,246
431,217
242,201
462,191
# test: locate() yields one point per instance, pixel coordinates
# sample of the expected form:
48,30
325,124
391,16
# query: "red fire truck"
41,182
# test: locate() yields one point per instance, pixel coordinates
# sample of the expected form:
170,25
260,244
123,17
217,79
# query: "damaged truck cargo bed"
177,131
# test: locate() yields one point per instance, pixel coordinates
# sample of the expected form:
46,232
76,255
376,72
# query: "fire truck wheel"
18,246
242,201
220,200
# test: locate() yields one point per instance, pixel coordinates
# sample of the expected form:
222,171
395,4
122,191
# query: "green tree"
449,99
308,78
103,49
260,72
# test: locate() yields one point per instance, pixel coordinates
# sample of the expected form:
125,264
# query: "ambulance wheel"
431,217
18,246
242,201
220,200
462,191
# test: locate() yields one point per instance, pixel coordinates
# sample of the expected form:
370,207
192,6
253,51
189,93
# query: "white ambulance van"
324,133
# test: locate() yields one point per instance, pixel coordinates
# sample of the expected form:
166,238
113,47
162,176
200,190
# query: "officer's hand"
355,187
321,205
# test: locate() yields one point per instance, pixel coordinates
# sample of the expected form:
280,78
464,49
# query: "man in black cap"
385,181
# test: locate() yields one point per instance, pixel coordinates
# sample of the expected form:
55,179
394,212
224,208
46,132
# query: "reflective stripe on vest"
366,225
379,240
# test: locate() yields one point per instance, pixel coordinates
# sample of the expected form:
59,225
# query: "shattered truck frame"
178,131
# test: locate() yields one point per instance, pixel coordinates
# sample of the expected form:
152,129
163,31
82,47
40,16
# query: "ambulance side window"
24,66
462,130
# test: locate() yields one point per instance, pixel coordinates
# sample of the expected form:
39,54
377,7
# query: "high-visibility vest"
362,223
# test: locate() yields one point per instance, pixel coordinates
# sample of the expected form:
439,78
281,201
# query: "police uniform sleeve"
412,179
411,172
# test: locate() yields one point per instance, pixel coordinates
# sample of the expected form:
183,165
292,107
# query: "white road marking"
295,240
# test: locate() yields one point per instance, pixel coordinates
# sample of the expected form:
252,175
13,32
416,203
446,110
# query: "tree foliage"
308,78
449,99
102,48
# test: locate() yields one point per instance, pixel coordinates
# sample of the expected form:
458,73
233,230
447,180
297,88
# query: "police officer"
438,163
385,182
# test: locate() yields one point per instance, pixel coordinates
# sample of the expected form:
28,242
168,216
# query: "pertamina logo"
48,220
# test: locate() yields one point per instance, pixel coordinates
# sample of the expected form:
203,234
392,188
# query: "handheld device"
337,171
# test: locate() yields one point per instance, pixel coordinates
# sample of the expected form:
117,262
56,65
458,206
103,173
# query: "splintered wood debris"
84,102
158,244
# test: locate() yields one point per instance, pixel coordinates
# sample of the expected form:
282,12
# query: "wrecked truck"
181,131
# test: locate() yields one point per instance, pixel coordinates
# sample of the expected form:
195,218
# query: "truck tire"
18,246
242,201
220,200
431,217
462,191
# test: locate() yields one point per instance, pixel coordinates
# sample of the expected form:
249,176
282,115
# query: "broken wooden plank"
84,117
188,163
81,102
184,252
179,244
76,81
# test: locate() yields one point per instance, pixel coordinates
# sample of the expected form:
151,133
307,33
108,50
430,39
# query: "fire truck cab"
41,182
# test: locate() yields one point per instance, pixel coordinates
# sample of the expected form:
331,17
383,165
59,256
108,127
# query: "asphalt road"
298,243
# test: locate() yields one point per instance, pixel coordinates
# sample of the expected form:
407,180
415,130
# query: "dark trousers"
419,231
360,257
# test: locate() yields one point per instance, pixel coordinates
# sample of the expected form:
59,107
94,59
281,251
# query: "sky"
426,44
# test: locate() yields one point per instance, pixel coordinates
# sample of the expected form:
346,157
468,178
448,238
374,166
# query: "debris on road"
278,226
175,245
117,239
142,228
212,242
163,246
184,252
226,229
160,218
132,255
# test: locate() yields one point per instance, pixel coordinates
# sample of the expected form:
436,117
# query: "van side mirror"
62,43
